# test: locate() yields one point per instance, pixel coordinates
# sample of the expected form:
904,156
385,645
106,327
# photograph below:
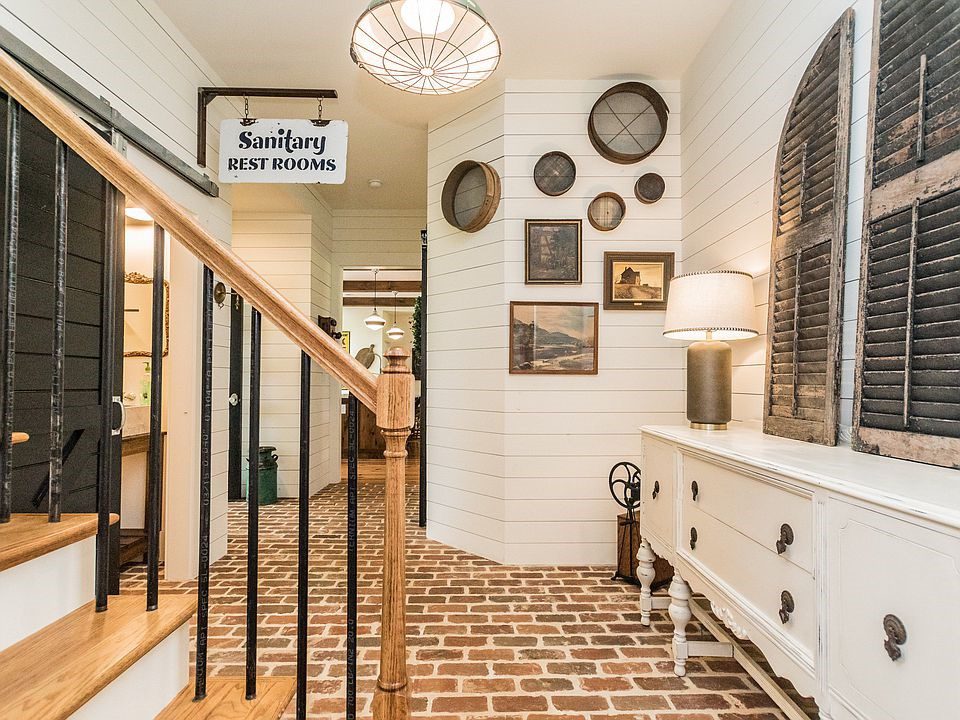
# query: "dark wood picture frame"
516,370
805,301
906,400
569,277
488,205
611,259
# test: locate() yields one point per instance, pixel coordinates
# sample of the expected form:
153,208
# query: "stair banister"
390,396
120,172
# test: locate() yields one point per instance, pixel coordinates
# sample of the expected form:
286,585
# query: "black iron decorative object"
628,122
806,256
606,211
471,195
554,173
906,403
649,188
624,483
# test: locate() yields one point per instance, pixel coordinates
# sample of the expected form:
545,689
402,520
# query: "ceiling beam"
385,286
384,303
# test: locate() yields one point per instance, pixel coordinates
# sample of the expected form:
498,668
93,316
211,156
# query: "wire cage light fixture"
426,47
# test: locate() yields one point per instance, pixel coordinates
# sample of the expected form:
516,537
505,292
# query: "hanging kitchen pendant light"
375,321
427,47
396,332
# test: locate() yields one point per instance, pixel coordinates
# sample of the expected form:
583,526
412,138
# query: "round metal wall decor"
606,211
555,173
471,195
649,188
628,122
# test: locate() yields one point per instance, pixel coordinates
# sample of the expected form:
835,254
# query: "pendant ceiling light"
396,332
375,321
427,47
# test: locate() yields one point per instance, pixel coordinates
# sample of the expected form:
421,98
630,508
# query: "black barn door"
91,228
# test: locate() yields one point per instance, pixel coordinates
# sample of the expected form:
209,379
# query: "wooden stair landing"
28,536
53,672
226,700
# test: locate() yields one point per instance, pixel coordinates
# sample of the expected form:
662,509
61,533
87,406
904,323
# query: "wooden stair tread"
28,536
226,700
53,672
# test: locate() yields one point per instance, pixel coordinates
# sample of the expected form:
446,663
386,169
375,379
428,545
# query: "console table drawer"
658,489
778,517
888,577
760,577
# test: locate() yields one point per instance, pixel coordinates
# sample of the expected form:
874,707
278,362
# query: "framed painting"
553,252
636,281
553,338
345,340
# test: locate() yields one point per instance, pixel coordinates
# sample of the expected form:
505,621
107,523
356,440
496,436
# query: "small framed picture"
553,338
553,252
345,340
636,281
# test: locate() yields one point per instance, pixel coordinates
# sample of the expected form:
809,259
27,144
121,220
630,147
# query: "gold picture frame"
136,333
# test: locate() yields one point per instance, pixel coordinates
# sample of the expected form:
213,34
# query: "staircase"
66,648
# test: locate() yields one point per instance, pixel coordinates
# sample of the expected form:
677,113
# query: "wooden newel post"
395,419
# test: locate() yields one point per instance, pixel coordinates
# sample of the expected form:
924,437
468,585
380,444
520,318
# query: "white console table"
843,568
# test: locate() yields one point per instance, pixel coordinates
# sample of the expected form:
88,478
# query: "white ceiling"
305,43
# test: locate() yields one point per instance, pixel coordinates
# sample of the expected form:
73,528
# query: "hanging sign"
283,151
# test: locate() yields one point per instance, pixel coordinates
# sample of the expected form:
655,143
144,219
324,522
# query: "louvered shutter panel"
907,401
807,251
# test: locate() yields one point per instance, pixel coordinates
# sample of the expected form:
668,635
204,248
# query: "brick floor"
485,640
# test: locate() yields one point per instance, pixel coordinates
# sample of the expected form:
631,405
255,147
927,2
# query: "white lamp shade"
395,333
375,321
719,303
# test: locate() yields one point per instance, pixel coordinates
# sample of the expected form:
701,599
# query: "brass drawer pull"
656,489
693,538
786,539
896,636
694,490
787,606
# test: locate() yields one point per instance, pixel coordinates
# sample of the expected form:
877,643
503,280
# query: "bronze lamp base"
709,393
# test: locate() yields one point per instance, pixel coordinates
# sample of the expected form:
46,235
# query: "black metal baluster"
206,401
112,312
423,379
353,412
155,470
253,505
235,411
303,541
55,486
8,318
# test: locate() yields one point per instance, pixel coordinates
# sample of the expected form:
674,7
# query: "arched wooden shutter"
806,264
907,401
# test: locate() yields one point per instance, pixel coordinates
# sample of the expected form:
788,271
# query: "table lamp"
711,308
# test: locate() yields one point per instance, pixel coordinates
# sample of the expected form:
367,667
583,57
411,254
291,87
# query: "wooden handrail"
63,122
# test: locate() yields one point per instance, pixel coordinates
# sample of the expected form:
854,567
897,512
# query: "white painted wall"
518,464
128,52
291,251
736,94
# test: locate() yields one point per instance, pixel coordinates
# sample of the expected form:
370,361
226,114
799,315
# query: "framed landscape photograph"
636,281
553,252
553,338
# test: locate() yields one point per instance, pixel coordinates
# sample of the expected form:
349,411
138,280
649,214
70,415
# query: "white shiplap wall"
292,253
518,464
736,95
129,52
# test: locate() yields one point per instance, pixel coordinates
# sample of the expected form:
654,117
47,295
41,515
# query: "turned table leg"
680,614
646,574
